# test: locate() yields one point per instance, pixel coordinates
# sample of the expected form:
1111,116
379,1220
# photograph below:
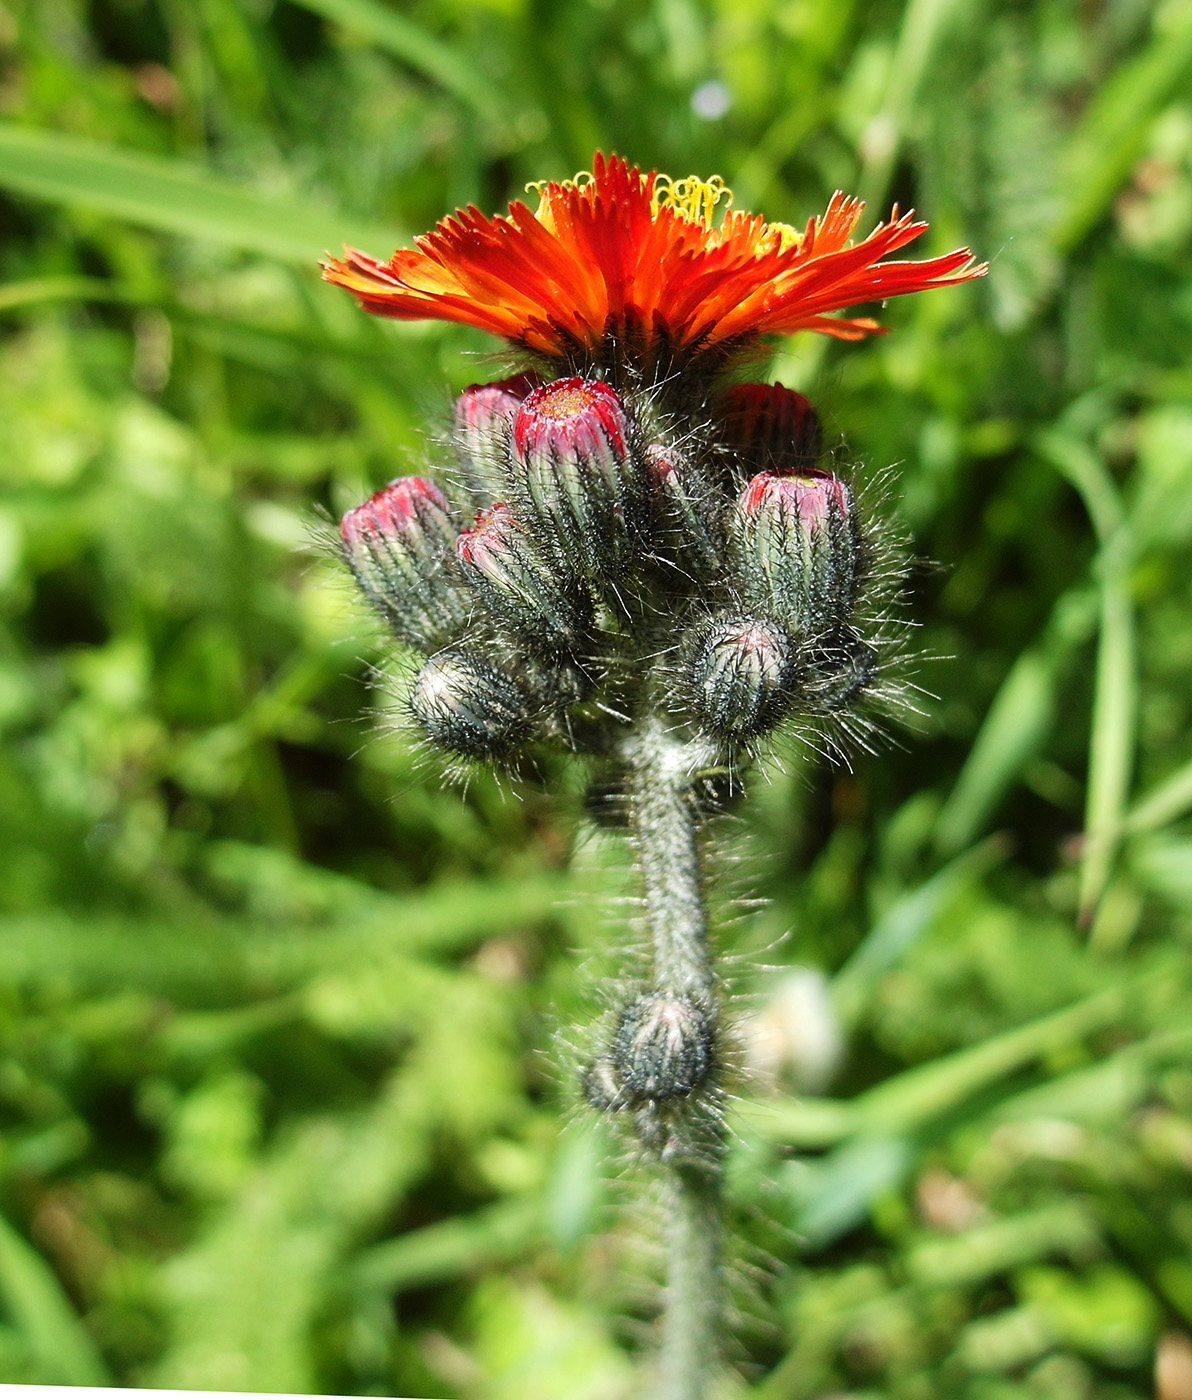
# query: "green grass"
288,1026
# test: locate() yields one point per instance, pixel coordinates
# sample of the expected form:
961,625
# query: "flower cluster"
621,564
638,558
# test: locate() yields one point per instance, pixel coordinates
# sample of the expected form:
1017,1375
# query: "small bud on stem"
798,548
469,706
739,677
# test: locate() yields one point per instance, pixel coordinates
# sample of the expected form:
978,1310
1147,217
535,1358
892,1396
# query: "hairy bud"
836,673
663,1048
577,480
739,676
498,561
690,504
398,545
798,548
772,426
470,706
484,416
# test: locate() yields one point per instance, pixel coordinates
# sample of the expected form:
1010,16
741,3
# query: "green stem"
686,1135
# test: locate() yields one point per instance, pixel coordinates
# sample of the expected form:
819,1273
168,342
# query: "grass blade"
39,1308
403,39
1111,746
1016,725
173,196
1115,129
901,925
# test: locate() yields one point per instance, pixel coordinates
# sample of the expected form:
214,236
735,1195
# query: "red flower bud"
398,545
578,480
498,560
772,426
739,679
484,416
798,547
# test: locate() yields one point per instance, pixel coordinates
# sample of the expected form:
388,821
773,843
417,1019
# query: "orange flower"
635,257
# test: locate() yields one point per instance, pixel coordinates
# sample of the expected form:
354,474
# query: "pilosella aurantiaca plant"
643,562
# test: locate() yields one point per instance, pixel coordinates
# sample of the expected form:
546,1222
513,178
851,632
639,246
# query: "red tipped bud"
772,426
740,675
398,545
577,478
798,547
499,562
484,416
469,706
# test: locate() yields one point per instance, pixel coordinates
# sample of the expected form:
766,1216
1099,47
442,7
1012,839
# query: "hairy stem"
686,1134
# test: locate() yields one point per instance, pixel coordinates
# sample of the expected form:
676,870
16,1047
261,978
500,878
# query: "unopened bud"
772,426
739,678
836,673
470,706
663,1048
577,479
399,545
798,548
499,562
691,505
484,416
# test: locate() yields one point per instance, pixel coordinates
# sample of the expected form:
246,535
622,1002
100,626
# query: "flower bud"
739,678
398,545
663,1048
577,479
470,706
499,562
689,503
484,416
836,673
772,426
798,548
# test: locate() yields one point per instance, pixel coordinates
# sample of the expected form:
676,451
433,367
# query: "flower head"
625,255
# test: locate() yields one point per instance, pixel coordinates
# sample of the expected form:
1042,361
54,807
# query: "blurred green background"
287,1027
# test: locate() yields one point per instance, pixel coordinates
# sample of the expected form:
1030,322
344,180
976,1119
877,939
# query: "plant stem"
691,1329
687,1135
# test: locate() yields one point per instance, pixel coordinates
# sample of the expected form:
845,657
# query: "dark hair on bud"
470,707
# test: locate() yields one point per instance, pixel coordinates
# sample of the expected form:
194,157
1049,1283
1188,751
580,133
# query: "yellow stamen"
693,198
581,181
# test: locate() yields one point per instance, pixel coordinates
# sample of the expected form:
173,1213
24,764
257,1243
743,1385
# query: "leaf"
244,1295
236,958
443,1251
173,195
38,1306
